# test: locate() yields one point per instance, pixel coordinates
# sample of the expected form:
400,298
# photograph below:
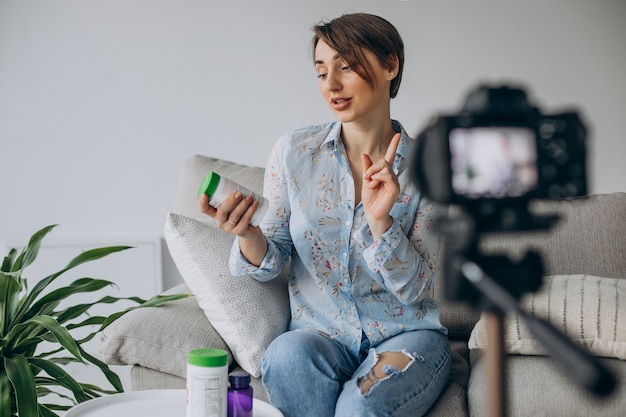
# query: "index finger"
390,155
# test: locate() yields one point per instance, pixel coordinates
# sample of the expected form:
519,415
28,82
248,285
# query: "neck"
371,139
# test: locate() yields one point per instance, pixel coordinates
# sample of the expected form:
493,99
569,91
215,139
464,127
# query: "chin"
345,118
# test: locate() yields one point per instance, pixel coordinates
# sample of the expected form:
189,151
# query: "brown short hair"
351,33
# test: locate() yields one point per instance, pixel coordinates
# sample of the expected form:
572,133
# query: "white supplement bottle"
219,188
207,383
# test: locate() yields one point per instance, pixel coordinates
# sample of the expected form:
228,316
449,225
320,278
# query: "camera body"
500,151
491,160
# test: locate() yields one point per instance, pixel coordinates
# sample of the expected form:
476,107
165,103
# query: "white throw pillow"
247,314
589,310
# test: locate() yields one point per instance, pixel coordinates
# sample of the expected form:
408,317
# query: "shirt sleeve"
269,268
275,224
406,262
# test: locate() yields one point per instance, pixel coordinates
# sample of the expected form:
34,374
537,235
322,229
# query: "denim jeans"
308,374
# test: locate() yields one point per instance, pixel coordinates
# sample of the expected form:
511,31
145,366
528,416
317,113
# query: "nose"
332,82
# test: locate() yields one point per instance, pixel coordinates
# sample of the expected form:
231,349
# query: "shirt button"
345,255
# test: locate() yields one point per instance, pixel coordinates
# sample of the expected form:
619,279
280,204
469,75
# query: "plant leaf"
8,260
61,360
45,410
79,309
90,321
155,301
111,376
94,391
30,251
5,395
9,300
61,376
61,334
19,373
47,303
94,254
87,256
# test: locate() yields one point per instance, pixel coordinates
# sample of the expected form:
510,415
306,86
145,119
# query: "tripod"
480,280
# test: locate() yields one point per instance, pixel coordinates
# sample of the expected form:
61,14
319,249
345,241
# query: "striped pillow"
587,309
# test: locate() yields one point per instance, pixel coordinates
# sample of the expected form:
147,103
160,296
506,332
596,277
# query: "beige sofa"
584,294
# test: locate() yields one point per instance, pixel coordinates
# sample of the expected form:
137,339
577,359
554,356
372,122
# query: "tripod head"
462,243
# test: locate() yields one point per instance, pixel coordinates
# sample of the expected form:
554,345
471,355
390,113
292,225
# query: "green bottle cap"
209,184
207,357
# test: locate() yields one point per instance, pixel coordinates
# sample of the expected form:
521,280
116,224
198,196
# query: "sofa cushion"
590,237
160,337
247,313
536,387
589,310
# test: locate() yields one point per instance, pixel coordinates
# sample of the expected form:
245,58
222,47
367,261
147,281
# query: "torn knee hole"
386,365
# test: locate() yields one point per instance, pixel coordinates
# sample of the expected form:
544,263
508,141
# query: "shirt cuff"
240,266
378,252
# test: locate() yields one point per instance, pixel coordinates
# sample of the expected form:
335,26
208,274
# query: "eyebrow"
320,62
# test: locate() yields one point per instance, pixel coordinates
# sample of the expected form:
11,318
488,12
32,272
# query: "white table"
151,403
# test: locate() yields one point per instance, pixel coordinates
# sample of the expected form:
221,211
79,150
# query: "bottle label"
206,395
226,187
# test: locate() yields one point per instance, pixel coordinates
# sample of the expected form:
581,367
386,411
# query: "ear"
393,66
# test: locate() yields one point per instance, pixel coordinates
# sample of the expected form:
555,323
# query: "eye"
322,76
346,68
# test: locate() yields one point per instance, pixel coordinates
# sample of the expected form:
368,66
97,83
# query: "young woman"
365,337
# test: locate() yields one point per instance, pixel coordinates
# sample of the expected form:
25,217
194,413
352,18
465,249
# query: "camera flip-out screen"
493,162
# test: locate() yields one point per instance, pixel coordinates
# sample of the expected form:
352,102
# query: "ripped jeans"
308,374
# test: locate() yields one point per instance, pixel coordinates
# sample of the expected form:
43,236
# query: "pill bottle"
219,188
207,383
240,395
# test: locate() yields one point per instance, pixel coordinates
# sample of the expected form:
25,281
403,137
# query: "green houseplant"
30,317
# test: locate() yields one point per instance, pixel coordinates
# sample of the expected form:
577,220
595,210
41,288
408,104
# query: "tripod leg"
494,361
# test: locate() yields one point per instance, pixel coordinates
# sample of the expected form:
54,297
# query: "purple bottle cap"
239,379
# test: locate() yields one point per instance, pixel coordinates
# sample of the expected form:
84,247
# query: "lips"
340,103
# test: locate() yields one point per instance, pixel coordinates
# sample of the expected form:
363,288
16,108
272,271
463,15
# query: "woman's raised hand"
380,188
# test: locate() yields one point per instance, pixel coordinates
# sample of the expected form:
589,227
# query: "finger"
242,225
390,156
246,218
367,162
205,208
382,176
222,212
237,214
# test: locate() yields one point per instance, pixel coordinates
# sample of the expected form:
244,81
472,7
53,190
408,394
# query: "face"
349,96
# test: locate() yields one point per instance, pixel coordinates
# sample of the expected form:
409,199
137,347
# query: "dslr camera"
498,153
490,160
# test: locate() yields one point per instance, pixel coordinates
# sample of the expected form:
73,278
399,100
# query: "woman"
365,337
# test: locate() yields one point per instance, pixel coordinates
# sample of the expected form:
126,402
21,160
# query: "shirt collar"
403,150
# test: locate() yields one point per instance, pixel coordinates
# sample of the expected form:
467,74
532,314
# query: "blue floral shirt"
342,282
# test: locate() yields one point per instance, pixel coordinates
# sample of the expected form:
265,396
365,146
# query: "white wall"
101,100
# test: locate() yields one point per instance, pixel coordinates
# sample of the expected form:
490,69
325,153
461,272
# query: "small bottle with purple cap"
240,396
